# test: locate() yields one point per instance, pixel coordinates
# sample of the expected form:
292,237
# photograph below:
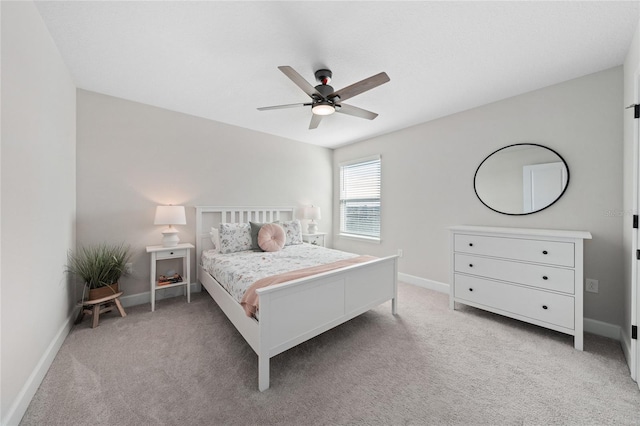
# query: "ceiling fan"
326,101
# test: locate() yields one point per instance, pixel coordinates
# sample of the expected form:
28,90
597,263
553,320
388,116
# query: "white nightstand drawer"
171,254
549,252
547,277
316,239
540,305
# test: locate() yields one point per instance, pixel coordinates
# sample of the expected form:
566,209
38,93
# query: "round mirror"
521,179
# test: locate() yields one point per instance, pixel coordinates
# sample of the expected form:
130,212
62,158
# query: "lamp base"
170,237
313,228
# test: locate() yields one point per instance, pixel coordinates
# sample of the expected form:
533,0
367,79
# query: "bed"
284,320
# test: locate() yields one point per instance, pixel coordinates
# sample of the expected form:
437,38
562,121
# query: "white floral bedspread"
237,271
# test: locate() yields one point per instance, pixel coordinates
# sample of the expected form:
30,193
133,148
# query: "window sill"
373,240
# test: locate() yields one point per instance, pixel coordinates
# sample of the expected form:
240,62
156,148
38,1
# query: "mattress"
237,271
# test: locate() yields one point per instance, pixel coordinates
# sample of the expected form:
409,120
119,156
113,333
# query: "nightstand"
181,251
316,239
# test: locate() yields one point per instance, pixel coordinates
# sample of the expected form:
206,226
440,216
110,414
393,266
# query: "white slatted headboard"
208,216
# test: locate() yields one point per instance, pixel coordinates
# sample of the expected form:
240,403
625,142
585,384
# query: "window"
360,198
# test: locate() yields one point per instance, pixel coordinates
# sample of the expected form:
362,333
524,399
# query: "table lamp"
312,213
170,215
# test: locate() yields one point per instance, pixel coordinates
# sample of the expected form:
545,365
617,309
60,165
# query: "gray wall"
38,203
427,180
132,157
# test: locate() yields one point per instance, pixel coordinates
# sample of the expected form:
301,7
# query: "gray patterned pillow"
234,237
255,228
293,230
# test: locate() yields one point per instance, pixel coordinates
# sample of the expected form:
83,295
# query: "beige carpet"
185,364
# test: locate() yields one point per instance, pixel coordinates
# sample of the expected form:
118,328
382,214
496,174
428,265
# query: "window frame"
345,233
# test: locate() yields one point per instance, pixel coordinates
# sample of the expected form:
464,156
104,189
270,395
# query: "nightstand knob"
470,289
545,307
545,252
171,253
471,265
470,244
544,277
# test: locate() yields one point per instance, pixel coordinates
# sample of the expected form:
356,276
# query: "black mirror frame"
519,144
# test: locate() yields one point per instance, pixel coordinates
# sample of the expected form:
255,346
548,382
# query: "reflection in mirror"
521,179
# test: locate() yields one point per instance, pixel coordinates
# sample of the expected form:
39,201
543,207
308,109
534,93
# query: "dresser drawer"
540,305
549,252
541,276
171,254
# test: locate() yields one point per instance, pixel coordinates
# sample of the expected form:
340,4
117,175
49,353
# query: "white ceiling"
219,59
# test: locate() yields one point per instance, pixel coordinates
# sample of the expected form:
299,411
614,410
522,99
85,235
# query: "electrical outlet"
591,285
128,268
400,252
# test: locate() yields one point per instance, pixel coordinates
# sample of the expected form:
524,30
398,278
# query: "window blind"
360,198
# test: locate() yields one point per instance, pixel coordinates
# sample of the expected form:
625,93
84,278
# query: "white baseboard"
423,282
600,328
21,403
142,298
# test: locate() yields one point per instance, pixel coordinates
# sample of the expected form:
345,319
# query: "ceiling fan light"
323,109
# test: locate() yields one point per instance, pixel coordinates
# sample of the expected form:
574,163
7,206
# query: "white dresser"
533,275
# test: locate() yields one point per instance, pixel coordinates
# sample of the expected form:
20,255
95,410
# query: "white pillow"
234,237
215,238
293,231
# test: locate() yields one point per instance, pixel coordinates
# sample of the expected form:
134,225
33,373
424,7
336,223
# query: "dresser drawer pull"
470,289
545,307
471,265
544,277
470,244
545,252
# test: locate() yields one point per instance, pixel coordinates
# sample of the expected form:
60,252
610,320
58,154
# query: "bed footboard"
296,311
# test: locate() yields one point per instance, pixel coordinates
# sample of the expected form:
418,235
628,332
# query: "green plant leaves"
99,265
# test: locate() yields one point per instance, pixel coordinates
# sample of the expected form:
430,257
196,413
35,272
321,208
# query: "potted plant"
100,268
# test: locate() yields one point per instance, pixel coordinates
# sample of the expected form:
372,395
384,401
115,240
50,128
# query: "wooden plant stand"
100,306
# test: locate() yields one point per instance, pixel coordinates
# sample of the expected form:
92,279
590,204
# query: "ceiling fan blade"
300,81
315,120
361,86
356,112
281,106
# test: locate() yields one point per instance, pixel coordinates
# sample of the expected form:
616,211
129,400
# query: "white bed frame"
286,317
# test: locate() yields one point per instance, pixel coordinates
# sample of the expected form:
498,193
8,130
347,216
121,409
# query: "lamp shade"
170,215
312,213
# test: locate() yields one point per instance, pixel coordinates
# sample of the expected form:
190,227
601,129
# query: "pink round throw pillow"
271,237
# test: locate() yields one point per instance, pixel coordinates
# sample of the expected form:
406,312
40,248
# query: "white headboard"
208,216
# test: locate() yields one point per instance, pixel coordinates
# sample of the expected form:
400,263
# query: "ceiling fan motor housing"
325,90
323,76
